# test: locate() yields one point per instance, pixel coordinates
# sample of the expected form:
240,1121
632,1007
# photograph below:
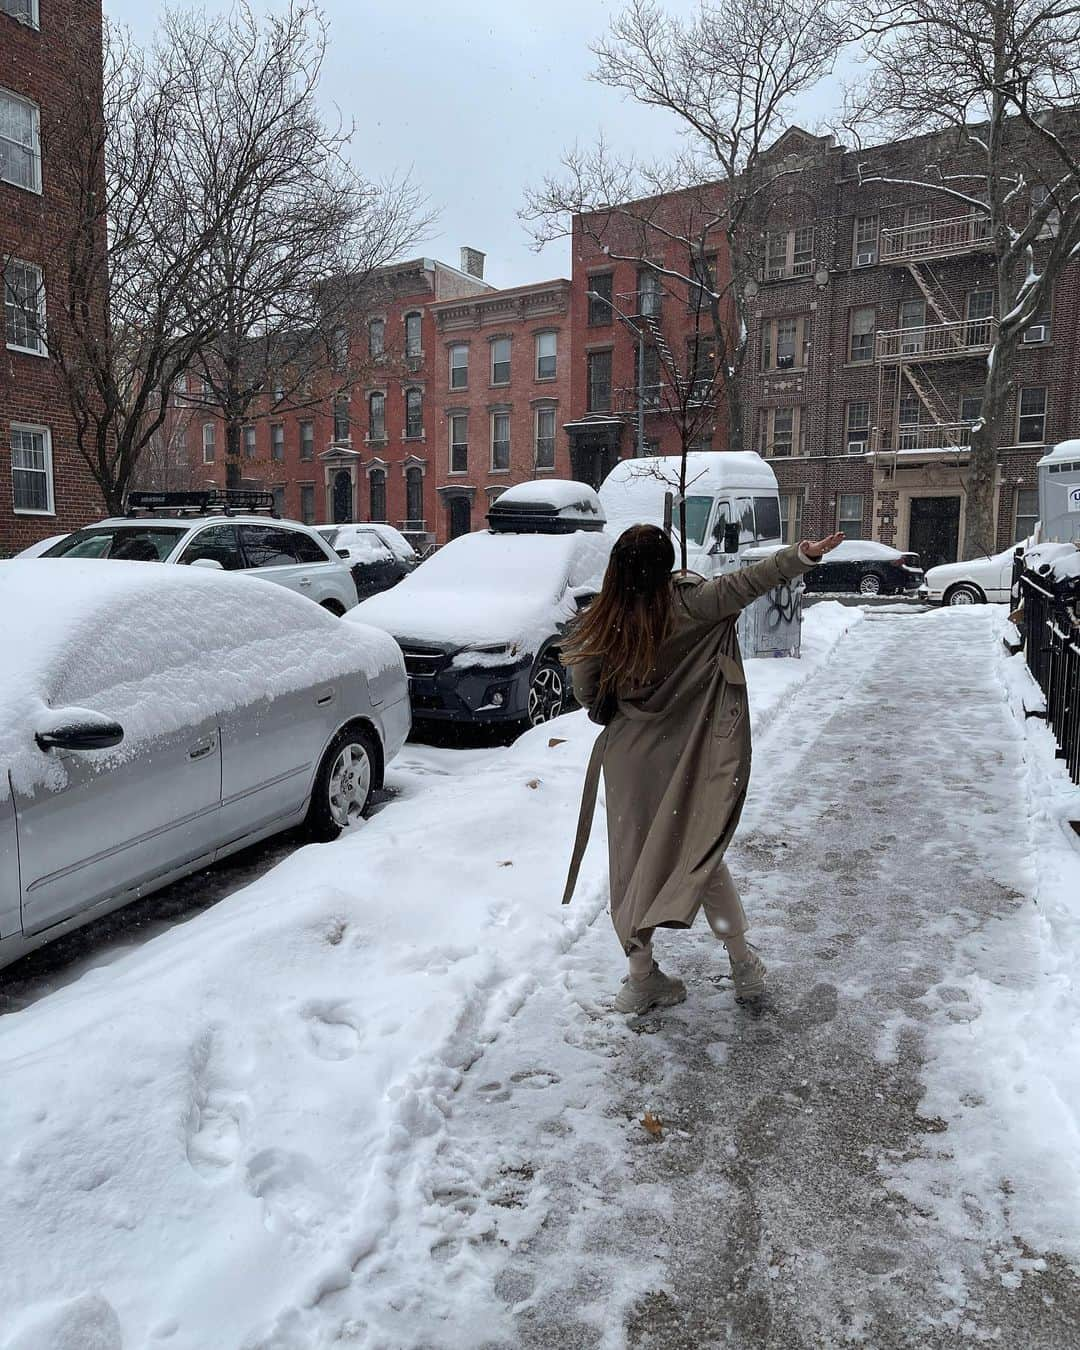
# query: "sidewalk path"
805,1192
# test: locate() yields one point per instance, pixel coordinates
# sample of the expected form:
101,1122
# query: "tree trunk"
234,469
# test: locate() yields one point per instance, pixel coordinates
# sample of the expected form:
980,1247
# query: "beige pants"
723,910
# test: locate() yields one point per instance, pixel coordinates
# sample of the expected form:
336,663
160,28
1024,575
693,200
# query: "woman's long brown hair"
626,623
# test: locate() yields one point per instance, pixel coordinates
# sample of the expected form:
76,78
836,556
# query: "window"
545,438
785,342
789,254
1039,328
278,546
701,358
307,503
31,470
413,335
277,441
24,307
857,427
249,442
376,417
546,356
500,361
377,494
865,242
978,310
600,289
1031,423
1052,224
861,343
781,431
26,11
376,337
20,144
209,442
459,367
218,543
849,514
912,316
704,269
908,418
341,419
414,415
791,509
414,497
279,499
500,441
307,440
1025,513
339,348
459,442
651,381
599,381
970,405
650,295
917,226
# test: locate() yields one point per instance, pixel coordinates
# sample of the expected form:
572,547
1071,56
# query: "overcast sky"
478,99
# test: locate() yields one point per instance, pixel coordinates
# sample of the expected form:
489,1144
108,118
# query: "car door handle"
305,581
325,699
201,750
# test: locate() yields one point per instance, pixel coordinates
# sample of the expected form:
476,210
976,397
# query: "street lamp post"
639,334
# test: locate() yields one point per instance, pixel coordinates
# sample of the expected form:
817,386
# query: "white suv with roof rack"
230,532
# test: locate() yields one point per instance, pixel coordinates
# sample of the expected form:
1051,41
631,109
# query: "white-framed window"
414,414
277,441
26,11
376,418
863,322
785,342
1031,416
459,442
414,342
459,367
307,503
500,442
249,442
279,498
20,142
547,356
781,431
789,253
31,470
307,440
849,514
500,361
857,427
376,337
650,295
209,442
1052,224
1025,513
24,307
865,241
545,438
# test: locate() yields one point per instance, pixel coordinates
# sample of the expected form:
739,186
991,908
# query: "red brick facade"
37,434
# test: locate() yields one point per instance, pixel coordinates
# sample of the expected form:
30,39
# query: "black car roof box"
548,506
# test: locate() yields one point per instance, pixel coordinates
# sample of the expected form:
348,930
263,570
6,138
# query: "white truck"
732,503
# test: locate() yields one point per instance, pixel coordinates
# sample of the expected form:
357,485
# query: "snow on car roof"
486,587
562,493
863,550
155,648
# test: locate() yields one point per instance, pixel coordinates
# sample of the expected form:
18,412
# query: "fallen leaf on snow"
533,783
653,1124
556,740
508,863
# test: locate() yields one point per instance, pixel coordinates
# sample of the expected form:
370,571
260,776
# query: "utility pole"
639,334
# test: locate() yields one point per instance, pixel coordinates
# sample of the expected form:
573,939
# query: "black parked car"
866,567
376,559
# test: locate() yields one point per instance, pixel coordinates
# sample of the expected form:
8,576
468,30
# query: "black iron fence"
1051,631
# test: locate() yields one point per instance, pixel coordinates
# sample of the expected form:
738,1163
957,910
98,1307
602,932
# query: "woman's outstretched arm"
726,595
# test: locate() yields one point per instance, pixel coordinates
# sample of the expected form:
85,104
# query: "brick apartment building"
501,391
873,314
45,487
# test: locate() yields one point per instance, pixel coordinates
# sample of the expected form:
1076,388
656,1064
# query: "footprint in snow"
333,1029
213,1126
293,1191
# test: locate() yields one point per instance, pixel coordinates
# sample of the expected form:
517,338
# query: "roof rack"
226,502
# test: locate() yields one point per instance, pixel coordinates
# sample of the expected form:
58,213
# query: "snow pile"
486,588
1066,565
1044,557
157,649
230,1136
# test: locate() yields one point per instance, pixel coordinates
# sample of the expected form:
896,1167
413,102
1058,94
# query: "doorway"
934,529
343,512
460,516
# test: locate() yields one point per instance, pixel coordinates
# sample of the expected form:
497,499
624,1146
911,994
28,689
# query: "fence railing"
1051,628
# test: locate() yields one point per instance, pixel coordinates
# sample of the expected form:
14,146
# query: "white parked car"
481,620
41,546
156,719
359,533
215,536
978,582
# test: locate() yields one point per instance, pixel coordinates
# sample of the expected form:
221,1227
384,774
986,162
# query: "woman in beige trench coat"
656,659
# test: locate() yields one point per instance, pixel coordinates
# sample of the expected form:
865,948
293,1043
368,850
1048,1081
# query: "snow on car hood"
156,648
489,588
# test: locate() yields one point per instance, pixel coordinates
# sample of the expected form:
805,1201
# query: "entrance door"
934,532
460,516
343,512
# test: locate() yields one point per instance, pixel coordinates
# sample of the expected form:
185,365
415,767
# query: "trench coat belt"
585,815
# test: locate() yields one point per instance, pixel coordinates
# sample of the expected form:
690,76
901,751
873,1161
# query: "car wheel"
336,609
548,695
966,593
343,784
870,584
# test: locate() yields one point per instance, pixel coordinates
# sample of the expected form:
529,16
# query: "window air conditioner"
909,348
1036,333
865,259
856,447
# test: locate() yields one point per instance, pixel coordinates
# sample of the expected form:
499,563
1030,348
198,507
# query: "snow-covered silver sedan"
156,719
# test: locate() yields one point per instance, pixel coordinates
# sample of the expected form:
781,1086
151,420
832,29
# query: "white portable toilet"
1059,493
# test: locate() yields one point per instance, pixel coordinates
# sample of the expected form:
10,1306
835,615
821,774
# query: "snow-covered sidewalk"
231,1136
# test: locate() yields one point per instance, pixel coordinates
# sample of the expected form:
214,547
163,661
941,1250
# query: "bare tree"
301,239
998,79
730,76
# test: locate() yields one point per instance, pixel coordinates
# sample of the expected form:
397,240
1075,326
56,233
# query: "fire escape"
912,413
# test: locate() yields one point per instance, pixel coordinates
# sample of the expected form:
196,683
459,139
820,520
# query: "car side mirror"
83,731
727,538
211,563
